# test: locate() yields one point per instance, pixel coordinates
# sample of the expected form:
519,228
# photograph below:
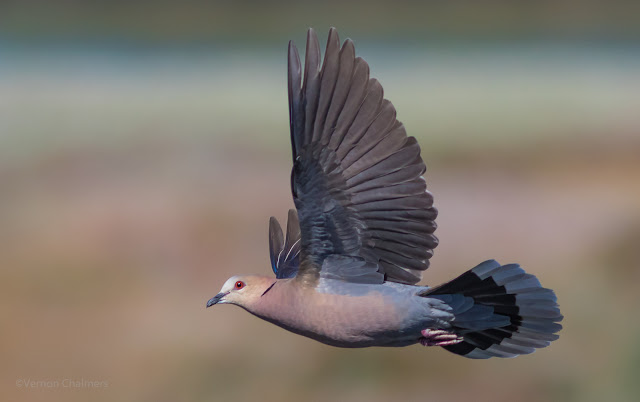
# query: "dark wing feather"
285,252
357,178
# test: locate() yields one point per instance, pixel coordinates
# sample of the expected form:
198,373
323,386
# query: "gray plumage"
356,178
285,252
347,267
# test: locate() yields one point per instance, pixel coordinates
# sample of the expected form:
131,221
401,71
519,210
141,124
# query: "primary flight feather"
362,233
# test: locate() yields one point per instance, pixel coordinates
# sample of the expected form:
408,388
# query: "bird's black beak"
215,299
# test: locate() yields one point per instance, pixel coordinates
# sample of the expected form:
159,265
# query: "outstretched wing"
285,252
357,178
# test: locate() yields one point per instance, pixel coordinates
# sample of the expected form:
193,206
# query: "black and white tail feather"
500,311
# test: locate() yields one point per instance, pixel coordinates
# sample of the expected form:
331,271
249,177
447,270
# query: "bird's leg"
439,337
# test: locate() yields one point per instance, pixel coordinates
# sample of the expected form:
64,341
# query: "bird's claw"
439,337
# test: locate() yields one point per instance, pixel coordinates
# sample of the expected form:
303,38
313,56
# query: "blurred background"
144,145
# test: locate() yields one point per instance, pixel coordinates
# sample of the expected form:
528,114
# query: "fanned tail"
500,311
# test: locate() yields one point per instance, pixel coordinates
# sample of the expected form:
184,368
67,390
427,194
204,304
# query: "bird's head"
242,290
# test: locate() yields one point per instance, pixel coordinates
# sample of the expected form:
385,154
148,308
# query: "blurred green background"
144,144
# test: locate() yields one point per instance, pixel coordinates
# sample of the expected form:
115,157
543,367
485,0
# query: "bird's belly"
350,322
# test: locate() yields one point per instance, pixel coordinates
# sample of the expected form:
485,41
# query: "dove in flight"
347,268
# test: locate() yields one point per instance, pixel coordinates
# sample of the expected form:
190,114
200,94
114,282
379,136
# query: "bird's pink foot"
439,337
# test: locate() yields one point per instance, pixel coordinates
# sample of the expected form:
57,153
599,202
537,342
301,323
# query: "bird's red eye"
239,285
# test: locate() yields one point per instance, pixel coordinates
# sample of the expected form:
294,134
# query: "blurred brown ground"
133,185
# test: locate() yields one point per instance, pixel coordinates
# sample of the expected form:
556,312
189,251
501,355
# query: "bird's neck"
279,303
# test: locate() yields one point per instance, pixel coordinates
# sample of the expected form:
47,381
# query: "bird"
362,233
